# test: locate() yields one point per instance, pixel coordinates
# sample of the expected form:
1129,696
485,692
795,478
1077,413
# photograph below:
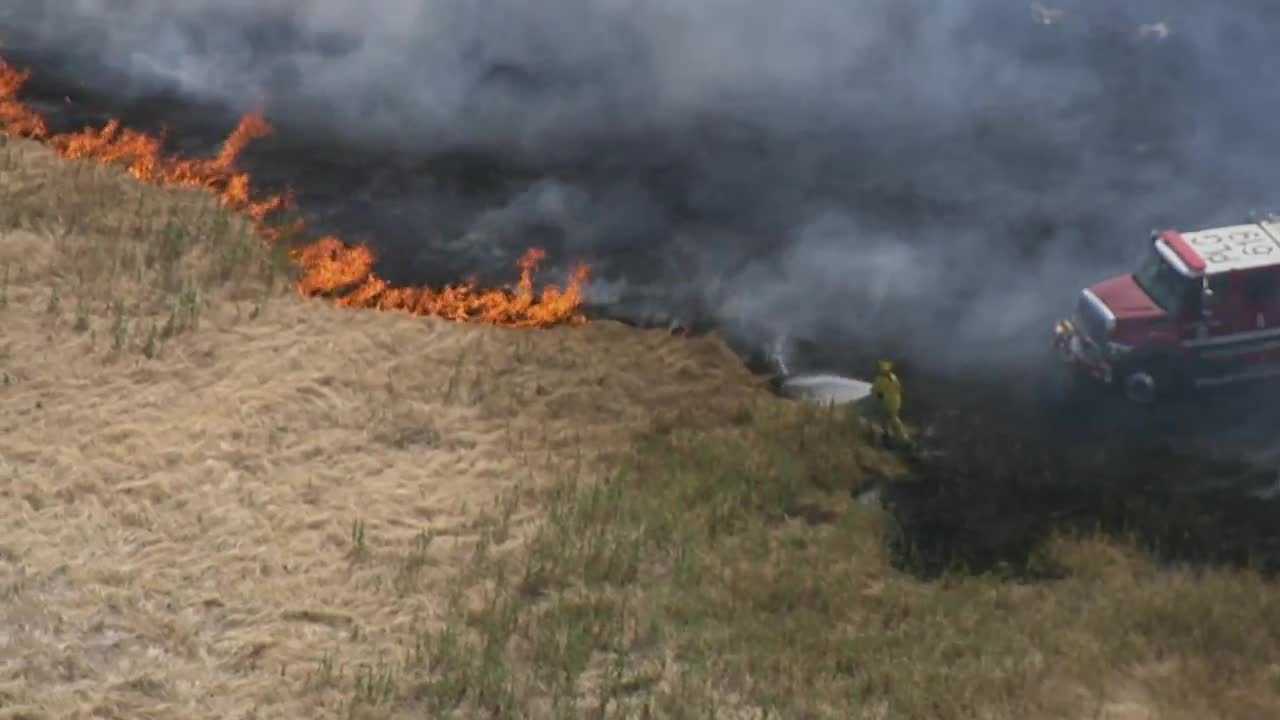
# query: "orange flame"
18,119
337,269
329,267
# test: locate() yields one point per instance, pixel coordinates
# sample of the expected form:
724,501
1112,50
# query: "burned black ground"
1192,482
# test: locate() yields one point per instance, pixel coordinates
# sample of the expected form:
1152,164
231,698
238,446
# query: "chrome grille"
1091,321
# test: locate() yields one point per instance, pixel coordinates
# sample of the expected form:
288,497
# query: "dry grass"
207,484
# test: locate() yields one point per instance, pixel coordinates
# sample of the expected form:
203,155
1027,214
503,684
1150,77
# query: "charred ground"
1004,464
988,493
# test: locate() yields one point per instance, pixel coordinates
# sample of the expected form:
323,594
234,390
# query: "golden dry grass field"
192,457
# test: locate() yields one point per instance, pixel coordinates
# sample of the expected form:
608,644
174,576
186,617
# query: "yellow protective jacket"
888,391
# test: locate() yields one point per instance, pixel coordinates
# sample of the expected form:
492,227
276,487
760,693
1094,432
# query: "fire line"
329,267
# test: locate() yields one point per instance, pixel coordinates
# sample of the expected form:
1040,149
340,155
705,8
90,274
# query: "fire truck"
1203,309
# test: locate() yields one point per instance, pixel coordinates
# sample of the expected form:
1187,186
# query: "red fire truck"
1202,310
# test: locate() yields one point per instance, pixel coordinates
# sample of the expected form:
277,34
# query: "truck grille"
1092,322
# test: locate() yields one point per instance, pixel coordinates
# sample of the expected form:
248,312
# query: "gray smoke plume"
941,174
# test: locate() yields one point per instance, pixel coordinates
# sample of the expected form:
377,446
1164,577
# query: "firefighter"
887,390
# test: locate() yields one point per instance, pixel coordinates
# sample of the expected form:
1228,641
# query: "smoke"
944,174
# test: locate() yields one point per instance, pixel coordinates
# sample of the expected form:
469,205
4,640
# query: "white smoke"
949,171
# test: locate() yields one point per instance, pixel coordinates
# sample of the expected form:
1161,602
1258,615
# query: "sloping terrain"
207,482
220,500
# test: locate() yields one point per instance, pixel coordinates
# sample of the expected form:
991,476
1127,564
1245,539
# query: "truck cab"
1203,309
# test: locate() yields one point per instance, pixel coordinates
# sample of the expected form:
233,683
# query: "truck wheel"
1140,387
1145,383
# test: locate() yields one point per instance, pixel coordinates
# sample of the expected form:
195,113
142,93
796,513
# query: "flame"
332,268
18,119
329,267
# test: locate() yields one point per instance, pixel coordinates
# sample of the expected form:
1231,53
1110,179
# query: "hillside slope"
207,482
219,500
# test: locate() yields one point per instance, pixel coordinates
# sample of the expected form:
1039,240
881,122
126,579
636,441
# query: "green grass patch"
732,572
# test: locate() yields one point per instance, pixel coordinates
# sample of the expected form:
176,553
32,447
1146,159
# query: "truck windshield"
1167,287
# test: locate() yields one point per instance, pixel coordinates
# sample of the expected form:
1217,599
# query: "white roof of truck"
1234,248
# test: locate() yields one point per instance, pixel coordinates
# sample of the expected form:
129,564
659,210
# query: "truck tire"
1140,386
1148,380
